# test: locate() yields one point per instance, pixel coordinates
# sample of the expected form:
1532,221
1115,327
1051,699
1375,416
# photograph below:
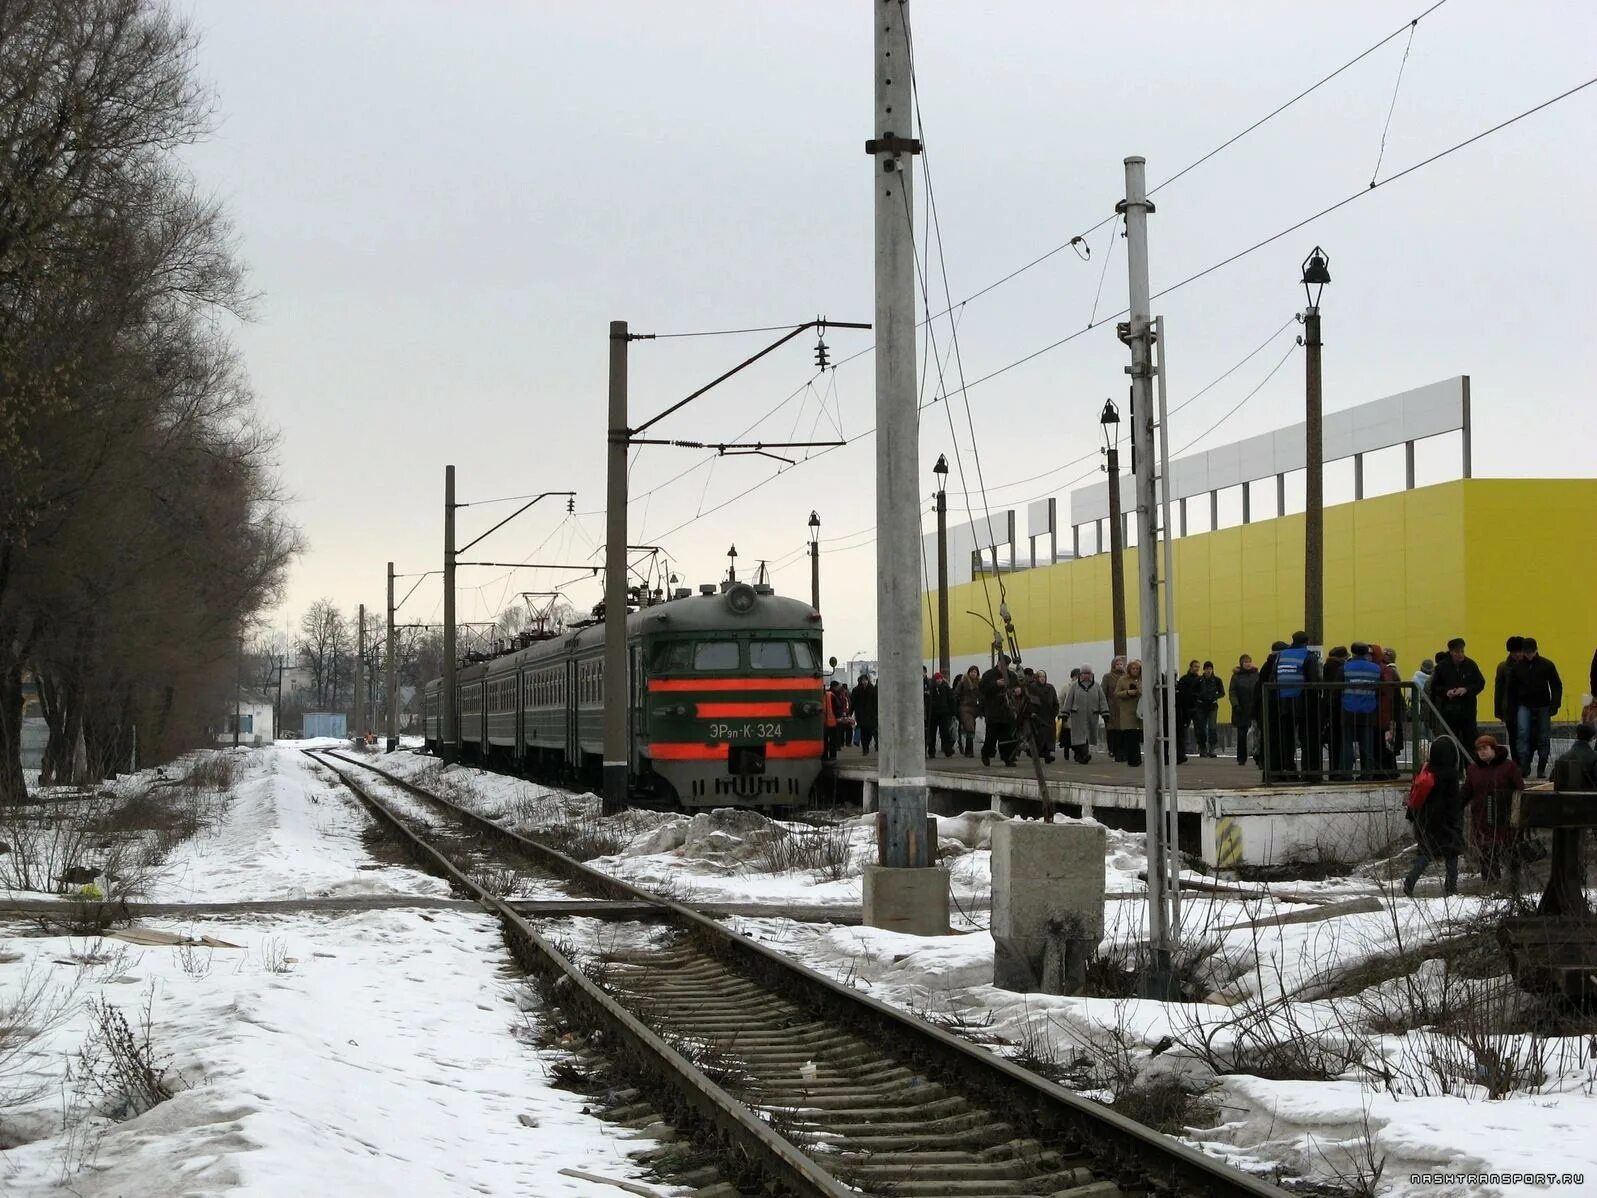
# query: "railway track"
825,1090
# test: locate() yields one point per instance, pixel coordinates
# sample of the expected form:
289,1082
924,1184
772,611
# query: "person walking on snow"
1439,821
1491,784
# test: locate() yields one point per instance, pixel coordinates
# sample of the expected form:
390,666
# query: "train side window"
673,657
715,655
803,656
770,655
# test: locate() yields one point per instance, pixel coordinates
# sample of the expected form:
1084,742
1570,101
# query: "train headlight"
740,597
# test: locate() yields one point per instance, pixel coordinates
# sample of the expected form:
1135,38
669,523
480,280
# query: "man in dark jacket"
1187,704
1576,767
1538,691
942,717
1502,685
1335,663
1244,698
996,684
863,699
1454,685
1206,713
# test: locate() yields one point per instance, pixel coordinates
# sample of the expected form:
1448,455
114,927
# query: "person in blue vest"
1360,701
1298,707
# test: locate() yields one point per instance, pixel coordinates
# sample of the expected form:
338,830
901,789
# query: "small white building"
254,717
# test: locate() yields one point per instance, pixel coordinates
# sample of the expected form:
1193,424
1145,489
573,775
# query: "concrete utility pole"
815,561
238,692
449,732
1316,274
1139,335
900,892
615,579
391,679
1110,422
360,672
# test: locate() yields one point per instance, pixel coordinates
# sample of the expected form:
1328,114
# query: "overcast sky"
443,206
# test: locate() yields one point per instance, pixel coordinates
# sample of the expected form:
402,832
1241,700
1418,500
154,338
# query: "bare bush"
1356,1164
213,770
119,1069
586,836
824,851
52,844
274,956
34,1006
501,881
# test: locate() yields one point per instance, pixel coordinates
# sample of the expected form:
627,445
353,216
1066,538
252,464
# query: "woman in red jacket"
1490,787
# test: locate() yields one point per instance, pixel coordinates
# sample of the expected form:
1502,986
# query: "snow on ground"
341,1053
1430,1113
289,832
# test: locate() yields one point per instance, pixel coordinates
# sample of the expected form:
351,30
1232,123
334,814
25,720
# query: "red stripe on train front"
734,684
687,752
717,711
680,751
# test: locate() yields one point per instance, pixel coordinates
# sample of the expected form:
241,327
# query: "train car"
724,702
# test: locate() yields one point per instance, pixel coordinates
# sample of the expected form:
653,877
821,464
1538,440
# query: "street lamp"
815,561
944,656
732,564
1109,422
1316,274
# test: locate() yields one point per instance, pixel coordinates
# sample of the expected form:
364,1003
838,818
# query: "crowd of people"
1302,718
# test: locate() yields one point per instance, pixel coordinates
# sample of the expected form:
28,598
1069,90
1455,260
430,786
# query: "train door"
635,729
569,698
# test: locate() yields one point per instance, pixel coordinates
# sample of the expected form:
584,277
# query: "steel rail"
778,1158
1135,1154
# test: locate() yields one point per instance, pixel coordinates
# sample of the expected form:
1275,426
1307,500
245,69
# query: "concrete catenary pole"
1136,208
615,579
1117,555
391,678
815,560
449,732
1314,485
902,761
360,672
1172,795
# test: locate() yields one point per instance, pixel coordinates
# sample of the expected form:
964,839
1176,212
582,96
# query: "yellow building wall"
1478,558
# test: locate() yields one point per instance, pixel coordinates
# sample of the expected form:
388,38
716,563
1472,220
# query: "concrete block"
1044,873
907,900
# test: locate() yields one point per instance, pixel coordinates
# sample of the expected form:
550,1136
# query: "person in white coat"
1084,705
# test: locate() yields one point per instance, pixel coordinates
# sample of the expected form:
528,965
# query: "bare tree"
140,524
321,639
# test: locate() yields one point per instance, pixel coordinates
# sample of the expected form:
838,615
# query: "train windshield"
715,655
770,655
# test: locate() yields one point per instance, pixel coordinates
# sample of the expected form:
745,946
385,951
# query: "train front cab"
733,717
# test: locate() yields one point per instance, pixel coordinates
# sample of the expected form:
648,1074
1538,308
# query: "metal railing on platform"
1309,736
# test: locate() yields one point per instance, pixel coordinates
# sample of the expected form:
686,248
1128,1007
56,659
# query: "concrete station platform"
1226,816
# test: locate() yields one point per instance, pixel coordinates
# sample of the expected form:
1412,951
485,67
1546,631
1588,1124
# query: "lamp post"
1316,274
1109,422
944,654
815,561
732,563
